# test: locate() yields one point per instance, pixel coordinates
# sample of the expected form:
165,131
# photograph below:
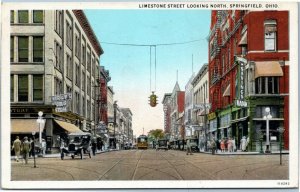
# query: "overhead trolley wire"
147,45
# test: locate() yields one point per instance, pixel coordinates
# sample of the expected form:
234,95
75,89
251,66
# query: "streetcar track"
173,167
136,166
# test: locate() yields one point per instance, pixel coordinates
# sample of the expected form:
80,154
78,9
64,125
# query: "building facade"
248,72
167,114
54,69
201,105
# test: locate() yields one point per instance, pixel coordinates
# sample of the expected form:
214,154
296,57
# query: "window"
270,35
12,16
88,86
83,55
93,66
58,22
70,103
38,16
69,35
89,61
69,67
23,16
58,56
12,49
260,111
37,87
83,81
12,83
77,110
93,90
228,59
77,69
23,49
83,107
23,88
223,64
58,86
38,47
267,85
77,46
93,112
88,109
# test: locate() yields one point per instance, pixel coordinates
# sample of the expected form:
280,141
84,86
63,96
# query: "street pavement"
153,165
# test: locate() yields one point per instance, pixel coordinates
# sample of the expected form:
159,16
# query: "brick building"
248,72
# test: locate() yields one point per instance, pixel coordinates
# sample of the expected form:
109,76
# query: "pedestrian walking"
188,147
233,144
243,143
213,146
44,146
17,148
94,146
31,152
218,148
222,145
229,144
26,146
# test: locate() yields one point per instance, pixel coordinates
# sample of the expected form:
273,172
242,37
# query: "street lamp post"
261,140
267,117
40,121
33,150
115,121
280,130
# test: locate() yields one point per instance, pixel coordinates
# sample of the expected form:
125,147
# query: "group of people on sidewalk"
227,145
26,148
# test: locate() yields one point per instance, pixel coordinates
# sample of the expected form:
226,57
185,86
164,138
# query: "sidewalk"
57,155
247,153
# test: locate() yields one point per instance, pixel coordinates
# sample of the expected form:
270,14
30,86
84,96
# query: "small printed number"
283,183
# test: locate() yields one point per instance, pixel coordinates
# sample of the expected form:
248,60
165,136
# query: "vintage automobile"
162,144
79,144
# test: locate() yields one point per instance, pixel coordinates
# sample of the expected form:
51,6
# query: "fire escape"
102,95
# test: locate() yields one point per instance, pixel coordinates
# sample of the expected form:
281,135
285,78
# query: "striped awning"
227,91
243,40
268,69
71,128
24,126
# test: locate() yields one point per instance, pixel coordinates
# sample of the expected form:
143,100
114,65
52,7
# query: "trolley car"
142,142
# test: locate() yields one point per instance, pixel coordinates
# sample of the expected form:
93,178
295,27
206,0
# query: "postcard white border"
5,108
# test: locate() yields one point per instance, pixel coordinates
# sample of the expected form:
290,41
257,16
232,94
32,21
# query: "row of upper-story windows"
26,48
25,16
26,88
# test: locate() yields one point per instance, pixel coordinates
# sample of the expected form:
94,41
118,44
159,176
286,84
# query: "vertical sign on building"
240,100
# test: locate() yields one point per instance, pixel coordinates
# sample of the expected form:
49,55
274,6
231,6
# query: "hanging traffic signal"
153,100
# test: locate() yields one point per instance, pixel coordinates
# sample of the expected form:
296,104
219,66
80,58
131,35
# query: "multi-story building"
167,111
177,108
54,67
110,109
248,72
127,125
103,95
190,127
201,105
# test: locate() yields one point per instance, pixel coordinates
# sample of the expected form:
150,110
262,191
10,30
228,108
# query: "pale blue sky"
129,66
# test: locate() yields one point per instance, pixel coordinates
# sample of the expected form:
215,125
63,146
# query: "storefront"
225,124
213,126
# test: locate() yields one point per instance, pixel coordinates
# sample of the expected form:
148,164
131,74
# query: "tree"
156,134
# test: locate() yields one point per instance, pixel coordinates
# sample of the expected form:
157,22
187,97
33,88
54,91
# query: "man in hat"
17,148
26,146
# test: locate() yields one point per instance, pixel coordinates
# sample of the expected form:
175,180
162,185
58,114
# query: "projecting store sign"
61,101
241,94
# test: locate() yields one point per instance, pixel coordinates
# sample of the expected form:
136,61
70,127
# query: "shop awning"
239,120
24,126
268,69
227,91
71,128
224,127
243,40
